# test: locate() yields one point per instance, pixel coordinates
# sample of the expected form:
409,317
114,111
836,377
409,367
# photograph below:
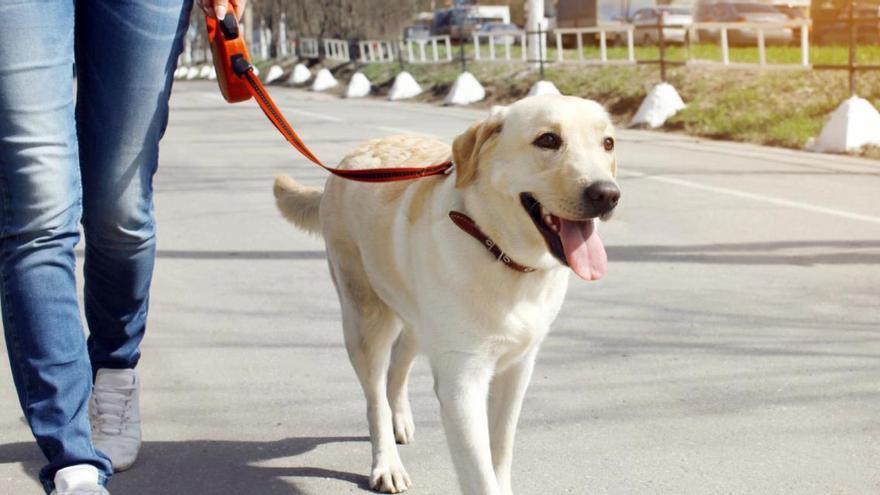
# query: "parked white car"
676,17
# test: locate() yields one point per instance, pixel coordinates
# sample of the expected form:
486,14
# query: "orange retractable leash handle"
227,45
237,81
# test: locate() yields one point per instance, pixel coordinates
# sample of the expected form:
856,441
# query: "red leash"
235,75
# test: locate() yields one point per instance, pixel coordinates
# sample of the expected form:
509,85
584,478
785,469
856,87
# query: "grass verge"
772,107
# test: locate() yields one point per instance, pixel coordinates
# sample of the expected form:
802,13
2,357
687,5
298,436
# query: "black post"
541,49
852,48
687,41
400,54
461,44
662,40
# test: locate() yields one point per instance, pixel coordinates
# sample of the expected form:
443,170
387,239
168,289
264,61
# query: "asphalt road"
733,348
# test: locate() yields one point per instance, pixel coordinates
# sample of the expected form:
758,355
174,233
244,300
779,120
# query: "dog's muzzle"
601,197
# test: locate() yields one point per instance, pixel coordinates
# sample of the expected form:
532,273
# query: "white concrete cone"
274,73
324,81
205,71
543,88
192,73
358,87
180,73
300,74
465,90
661,103
212,74
405,86
854,124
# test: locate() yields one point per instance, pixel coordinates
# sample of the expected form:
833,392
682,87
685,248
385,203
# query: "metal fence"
337,50
378,51
602,32
578,46
309,48
507,40
569,45
427,50
852,66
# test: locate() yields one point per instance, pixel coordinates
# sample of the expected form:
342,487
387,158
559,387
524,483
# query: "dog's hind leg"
370,329
505,403
402,357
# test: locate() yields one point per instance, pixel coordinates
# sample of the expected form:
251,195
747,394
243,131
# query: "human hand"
218,8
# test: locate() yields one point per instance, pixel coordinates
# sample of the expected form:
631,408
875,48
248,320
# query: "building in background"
831,21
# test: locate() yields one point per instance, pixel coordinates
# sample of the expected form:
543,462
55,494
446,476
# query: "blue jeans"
62,164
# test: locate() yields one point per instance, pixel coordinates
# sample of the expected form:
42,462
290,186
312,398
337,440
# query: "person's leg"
39,227
126,54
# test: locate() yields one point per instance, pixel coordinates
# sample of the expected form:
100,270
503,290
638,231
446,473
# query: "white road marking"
319,116
757,197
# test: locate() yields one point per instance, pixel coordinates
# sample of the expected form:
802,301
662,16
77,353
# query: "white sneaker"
81,479
115,416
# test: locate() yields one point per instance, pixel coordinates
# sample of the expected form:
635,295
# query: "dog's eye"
548,140
608,143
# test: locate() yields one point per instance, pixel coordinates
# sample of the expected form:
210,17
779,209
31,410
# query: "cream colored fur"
409,280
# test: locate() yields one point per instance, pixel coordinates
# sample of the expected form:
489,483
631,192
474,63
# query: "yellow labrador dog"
470,269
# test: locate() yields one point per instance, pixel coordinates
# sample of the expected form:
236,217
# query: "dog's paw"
404,426
390,477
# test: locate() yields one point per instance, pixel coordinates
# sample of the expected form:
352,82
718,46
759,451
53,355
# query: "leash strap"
273,113
237,81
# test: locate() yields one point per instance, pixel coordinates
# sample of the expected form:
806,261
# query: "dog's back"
302,205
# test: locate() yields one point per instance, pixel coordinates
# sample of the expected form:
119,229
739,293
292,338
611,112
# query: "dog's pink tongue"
583,249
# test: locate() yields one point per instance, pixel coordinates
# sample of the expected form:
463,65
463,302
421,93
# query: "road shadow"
820,252
195,254
202,254
218,467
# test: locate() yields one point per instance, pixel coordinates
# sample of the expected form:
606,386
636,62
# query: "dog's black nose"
602,196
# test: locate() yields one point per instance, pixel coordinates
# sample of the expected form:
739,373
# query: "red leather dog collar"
466,224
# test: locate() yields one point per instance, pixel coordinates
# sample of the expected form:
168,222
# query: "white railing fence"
572,45
624,30
309,48
336,50
506,39
760,31
381,51
417,50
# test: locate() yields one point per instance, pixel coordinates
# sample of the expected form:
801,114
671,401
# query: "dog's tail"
299,204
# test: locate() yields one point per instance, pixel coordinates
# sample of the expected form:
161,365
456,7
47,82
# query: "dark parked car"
457,22
742,12
831,21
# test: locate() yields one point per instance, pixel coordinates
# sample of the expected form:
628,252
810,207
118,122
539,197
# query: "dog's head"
540,172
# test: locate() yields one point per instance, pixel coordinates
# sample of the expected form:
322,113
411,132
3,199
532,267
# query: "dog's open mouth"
574,243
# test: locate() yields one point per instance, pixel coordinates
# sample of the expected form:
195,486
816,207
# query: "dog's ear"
466,147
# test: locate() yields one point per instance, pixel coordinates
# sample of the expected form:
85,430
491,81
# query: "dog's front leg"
505,403
461,382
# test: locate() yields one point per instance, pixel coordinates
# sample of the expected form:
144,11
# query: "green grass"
789,54
773,107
